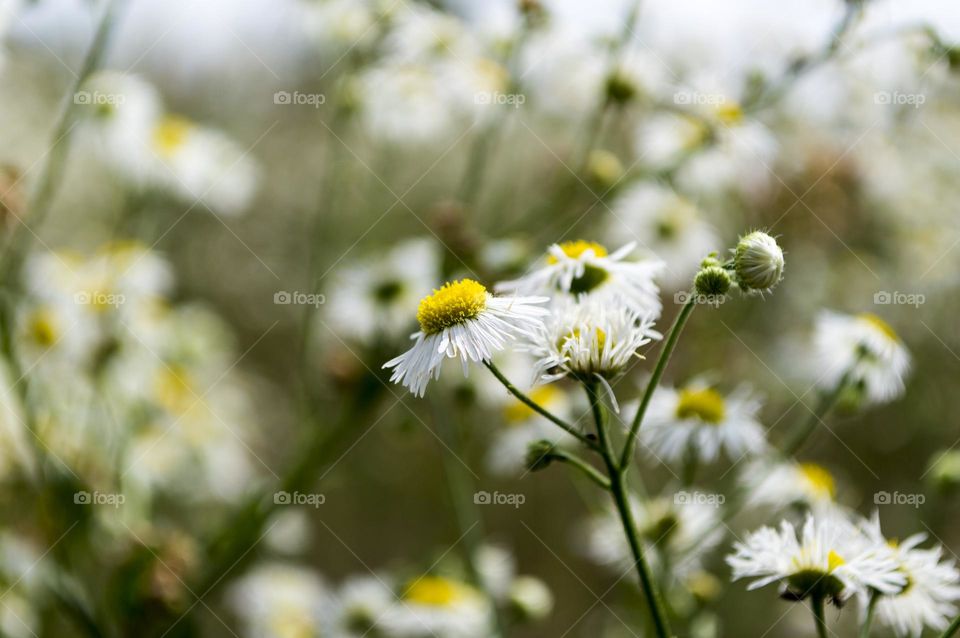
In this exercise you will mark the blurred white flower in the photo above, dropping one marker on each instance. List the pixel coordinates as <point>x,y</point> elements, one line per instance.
<point>679,529</point>
<point>698,420</point>
<point>865,350</point>
<point>377,297</point>
<point>462,320</point>
<point>277,600</point>
<point>584,270</point>
<point>522,426</point>
<point>358,605</point>
<point>668,225</point>
<point>785,483</point>
<point>439,606</point>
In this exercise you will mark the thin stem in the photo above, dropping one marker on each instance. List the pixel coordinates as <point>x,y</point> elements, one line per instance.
<point>868,619</point>
<point>588,470</point>
<point>952,629</point>
<point>530,403</point>
<point>816,605</point>
<point>668,347</point>
<point>803,431</point>
<point>618,489</point>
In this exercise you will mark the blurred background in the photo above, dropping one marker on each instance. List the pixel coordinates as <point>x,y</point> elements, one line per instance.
<point>218,218</point>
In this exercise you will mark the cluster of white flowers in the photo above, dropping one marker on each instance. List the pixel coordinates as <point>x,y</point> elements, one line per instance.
<point>277,600</point>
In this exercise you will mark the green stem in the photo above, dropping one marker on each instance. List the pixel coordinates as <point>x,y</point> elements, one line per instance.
<point>803,431</point>
<point>530,403</point>
<point>588,470</point>
<point>868,620</point>
<point>952,629</point>
<point>618,489</point>
<point>668,347</point>
<point>466,512</point>
<point>816,605</point>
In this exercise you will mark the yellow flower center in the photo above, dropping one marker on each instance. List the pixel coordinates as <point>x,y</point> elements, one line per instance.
<point>173,389</point>
<point>170,134</point>
<point>435,591</point>
<point>42,328</point>
<point>518,412</point>
<point>820,479</point>
<point>706,404</point>
<point>729,112</point>
<point>880,325</point>
<point>834,560</point>
<point>455,303</point>
<point>574,249</point>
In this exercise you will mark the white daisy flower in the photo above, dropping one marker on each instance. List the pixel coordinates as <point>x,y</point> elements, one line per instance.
<point>668,224</point>
<point>279,601</point>
<point>788,483</point>
<point>685,530</point>
<point>931,591</point>
<point>831,558</point>
<point>462,320</point>
<point>584,270</point>
<point>358,605</point>
<point>377,297</point>
<point>864,349</point>
<point>589,340</point>
<point>441,607</point>
<point>336,26</point>
<point>508,450</point>
<point>698,418</point>
<point>202,164</point>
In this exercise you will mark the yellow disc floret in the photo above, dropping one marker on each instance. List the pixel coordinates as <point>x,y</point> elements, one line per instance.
<point>704,404</point>
<point>171,134</point>
<point>455,303</point>
<point>820,479</point>
<point>834,560</point>
<point>435,591</point>
<point>574,249</point>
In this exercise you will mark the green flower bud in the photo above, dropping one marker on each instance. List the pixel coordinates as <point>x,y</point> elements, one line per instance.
<point>712,281</point>
<point>758,262</point>
<point>620,89</point>
<point>539,455</point>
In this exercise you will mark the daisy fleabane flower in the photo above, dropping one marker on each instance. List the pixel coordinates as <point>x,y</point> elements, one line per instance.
<point>931,591</point>
<point>584,270</point>
<point>831,559</point>
<point>462,320</point>
<point>589,340</point>
<point>785,483</point>
<point>865,350</point>
<point>699,418</point>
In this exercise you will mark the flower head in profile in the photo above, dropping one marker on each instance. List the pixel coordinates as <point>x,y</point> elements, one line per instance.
<point>782,484</point>
<point>831,558</point>
<point>585,271</point>
<point>699,418</point>
<point>865,351</point>
<point>462,320</point>
<point>590,340</point>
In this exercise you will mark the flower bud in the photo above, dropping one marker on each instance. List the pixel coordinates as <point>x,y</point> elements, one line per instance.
<point>758,262</point>
<point>944,469</point>
<point>530,598</point>
<point>539,455</point>
<point>620,88</point>
<point>712,281</point>
<point>604,168</point>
